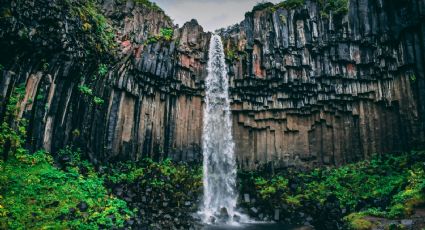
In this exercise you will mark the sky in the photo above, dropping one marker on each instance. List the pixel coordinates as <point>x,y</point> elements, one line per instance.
<point>210,14</point>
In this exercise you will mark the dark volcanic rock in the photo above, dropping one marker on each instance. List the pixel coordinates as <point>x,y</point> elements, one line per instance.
<point>307,89</point>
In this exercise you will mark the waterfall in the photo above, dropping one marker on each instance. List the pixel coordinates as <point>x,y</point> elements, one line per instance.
<point>219,164</point>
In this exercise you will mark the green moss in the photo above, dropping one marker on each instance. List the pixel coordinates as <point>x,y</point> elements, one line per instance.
<point>13,129</point>
<point>389,186</point>
<point>166,173</point>
<point>262,5</point>
<point>98,100</point>
<point>149,5</point>
<point>230,54</point>
<point>102,70</point>
<point>165,34</point>
<point>85,90</point>
<point>99,33</point>
<point>36,195</point>
<point>336,7</point>
<point>289,4</point>
<point>357,221</point>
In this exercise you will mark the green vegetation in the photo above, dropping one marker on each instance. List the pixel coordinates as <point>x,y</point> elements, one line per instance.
<point>99,33</point>
<point>1,67</point>
<point>262,5</point>
<point>357,221</point>
<point>337,7</point>
<point>45,65</point>
<point>98,100</point>
<point>34,194</point>
<point>164,175</point>
<point>231,54</point>
<point>37,195</point>
<point>150,5</point>
<point>13,130</point>
<point>165,34</point>
<point>161,186</point>
<point>102,70</point>
<point>289,4</point>
<point>89,93</point>
<point>387,186</point>
<point>85,90</point>
<point>412,77</point>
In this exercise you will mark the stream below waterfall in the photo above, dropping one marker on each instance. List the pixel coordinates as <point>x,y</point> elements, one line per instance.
<point>254,226</point>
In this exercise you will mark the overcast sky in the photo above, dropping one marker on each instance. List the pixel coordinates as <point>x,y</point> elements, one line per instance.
<point>211,14</point>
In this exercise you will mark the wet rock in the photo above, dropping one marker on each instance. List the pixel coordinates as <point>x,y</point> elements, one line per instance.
<point>276,214</point>
<point>407,223</point>
<point>246,197</point>
<point>254,210</point>
<point>82,206</point>
<point>236,218</point>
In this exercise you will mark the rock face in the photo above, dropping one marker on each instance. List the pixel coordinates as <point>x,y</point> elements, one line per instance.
<point>307,89</point>
<point>152,91</point>
<point>328,90</point>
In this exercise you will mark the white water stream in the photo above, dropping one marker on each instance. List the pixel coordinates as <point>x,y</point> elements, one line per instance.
<point>219,164</point>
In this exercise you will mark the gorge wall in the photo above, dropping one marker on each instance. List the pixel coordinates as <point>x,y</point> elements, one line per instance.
<point>308,87</point>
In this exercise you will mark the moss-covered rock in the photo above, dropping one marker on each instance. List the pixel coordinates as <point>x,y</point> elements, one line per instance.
<point>37,195</point>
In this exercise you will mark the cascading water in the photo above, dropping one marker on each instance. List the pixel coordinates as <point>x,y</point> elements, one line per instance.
<point>219,164</point>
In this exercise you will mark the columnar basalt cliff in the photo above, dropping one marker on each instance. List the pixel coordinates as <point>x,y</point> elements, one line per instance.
<point>148,103</point>
<point>308,87</point>
<point>327,88</point>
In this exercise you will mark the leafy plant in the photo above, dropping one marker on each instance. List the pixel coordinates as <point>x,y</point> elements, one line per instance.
<point>102,70</point>
<point>36,195</point>
<point>13,128</point>
<point>85,90</point>
<point>100,33</point>
<point>336,7</point>
<point>166,33</point>
<point>150,5</point>
<point>413,77</point>
<point>389,186</point>
<point>289,4</point>
<point>98,100</point>
<point>262,5</point>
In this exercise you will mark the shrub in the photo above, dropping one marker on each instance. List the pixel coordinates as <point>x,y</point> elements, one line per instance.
<point>166,33</point>
<point>102,70</point>
<point>85,90</point>
<point>389,186</point>
<point>336,7</point>
<point>101,36</point>
<point>289,4</point>
<point>37,195</point>
<point>98,101</point>
<point>12,128</point>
